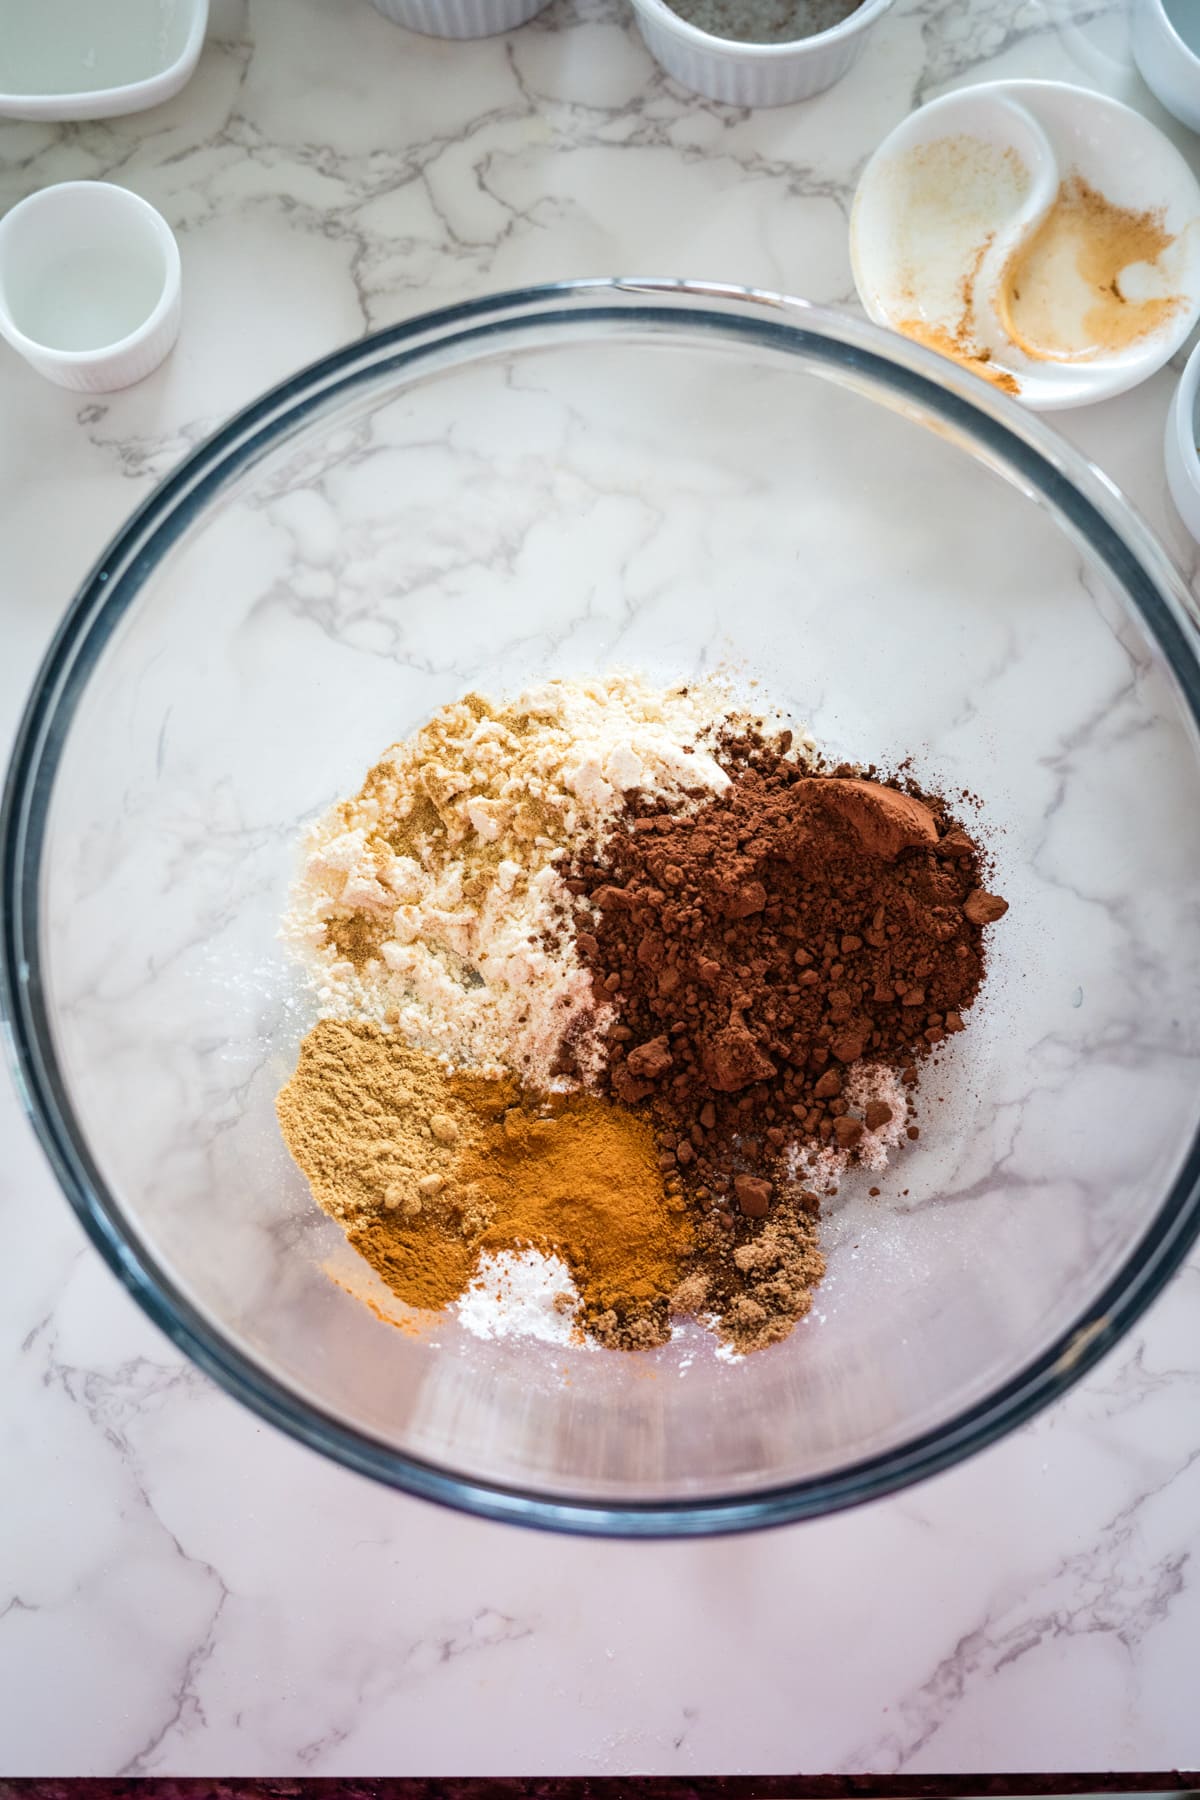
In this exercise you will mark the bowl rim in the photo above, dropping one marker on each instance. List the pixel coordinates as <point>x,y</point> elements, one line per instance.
<point>1171,35</point>
<point>867,12</point>
<point>1086,499</point>
<point>1182,419</point>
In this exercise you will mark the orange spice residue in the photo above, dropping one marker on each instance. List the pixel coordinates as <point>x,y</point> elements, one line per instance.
<point>961,349</point>
<point>1061,297</point>
<point>957,341</point>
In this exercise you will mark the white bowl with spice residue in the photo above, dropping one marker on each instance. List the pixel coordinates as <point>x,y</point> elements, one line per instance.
<point>1044,235</point>
<point>1181,448</point>
<point>754,74</point>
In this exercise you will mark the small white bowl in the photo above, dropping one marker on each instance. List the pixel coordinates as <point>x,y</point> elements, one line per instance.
<point>60,59</point>
<point>89,285</point>
<point>1055,129</point>
<point>1182,456</point>
<point>753,74</point>
<point>1166,48</point>
<point>459,18</point>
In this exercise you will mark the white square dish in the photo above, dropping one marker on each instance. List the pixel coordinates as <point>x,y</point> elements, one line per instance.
<point>73,59</point>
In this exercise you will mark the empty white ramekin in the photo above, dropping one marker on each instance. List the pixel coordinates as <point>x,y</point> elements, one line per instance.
<point>459,18</point>
<point>75,255</point>
<point>753,74</point>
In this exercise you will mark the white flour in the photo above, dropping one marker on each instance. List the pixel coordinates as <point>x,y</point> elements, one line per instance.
<point>523,1293</point>
<point>433,900</point>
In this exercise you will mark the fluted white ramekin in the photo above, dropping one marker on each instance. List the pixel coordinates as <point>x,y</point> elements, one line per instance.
<point>459,18</point>
<point>1183,457</point>
<point>753,74</point>
<point>37,240</point>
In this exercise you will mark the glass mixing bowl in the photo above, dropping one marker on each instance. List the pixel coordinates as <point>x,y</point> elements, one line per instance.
<point>661,476</point>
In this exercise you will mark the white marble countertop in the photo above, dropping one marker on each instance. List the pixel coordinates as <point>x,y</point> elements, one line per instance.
<point>182,1591</point>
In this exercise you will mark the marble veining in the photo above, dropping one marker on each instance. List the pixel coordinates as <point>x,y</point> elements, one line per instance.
<point>182,1590</point>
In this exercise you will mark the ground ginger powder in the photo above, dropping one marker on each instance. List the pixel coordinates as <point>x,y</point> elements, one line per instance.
<point>378,1129</point>
<point>426,1169</point>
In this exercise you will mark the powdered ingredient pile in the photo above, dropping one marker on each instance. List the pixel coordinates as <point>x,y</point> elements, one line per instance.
<point>615,976</point>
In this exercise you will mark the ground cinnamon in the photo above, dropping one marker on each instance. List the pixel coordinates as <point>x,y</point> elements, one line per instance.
<point>581,1178</point>
<point>960,345</point>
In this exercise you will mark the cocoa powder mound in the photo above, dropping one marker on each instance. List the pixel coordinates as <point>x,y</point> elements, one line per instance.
<point>758,947</point>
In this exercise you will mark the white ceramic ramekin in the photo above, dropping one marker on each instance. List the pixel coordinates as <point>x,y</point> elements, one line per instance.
<point>1182,456</point>
<point>48,244</point>
<point>459,18</point>
<point>753,74</point>
<point>1169,64</point>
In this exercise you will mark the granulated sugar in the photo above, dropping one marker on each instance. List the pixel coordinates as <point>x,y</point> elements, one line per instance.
<point>522,1293</point>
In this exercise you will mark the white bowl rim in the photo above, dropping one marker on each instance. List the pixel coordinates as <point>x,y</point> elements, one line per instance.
<point>864,14</point>
<point>1183,414</point>
<point>1179,44</point>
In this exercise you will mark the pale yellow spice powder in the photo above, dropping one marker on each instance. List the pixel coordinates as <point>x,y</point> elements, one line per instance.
<point>379,1129</point>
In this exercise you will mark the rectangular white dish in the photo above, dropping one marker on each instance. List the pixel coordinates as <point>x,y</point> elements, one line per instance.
<point>76,59</point>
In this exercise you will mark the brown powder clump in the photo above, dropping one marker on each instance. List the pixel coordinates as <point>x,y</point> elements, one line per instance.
<point>427,1169</point>
<point>800,924</point>
<point>755,1285</point>
<point>776,963</point>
